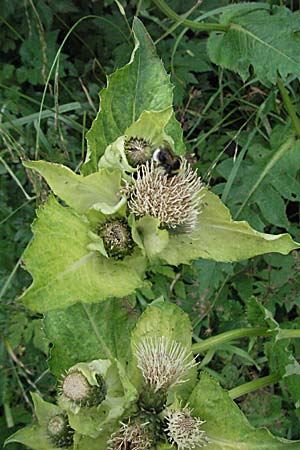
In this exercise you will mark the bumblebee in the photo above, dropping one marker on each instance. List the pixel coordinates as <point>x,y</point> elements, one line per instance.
<point>165,158</point>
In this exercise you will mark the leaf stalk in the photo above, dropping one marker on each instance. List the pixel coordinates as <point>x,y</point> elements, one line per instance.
<point>253,385</point>
<point>187,22</point>
<point>228,336</point>
<point>289,106</point>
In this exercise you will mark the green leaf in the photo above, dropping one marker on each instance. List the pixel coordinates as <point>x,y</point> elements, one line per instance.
<point>153,238</point>
<point>35,436</point>
<point>266,178</point>
<point>218,237</point>
<point>65,272</point>
<point>281,360</point>
<point>86,442</point>
<point>267,40</point>
<point>85,332</point>
<point>279,353</point>
<point>141,85</point>
<point>226,426</point>
<point>100,190</point>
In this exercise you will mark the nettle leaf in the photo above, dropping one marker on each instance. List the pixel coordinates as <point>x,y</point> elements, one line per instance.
<point>226,426</point>
<point>164,319</point>
<point>100,190</point>
<point>278,352</point>
<point>64,270</point>
<point>217,236</point>
<point>85,332</point>
<point>266,38</point>
<point>266,178</point>
<point>281,361</point>
<point>141,85</point>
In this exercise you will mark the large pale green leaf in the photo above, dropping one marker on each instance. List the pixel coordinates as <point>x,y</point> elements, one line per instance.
<point>100,190</point>
<point>85,332</point>
<point>33,436</point>
<point>65,272</point>
<point>226,426</point>
<point>266,39</point>
<point>141,85</point>
<point>218,237</point>
<point>88,443</point>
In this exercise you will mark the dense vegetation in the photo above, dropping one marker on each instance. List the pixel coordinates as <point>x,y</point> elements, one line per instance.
<point>236,117</point>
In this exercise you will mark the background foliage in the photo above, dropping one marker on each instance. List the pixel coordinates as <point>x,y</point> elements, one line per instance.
<point>233,129</point>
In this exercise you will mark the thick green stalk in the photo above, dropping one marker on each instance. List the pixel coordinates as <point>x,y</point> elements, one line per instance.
<point>189,23</point>
<point>288,334</point>
<point>289,106</point>
<point>228,336</point>
<point>253,385</point>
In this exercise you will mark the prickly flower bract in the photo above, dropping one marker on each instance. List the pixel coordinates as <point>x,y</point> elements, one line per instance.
<point>106,394</point>
<point>163,362</point>
<point>184,430</point>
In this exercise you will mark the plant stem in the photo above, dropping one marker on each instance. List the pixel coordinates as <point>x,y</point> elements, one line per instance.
<point>228,336</point>
<point>253,385</point>
<point>189,23</point>
<point>289,105</point>
<point>288,334</point>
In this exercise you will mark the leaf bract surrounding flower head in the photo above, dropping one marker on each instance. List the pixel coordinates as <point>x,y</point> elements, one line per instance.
<point>109,394</point>
<point>37,436</point>
<point>64,270</point>
<point>99,191</point>
<point>138,143</point>
<point>141,85</point>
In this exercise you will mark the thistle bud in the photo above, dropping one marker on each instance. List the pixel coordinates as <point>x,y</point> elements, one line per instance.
<point>77,389</point>
<point>59,431</point>
<point>117,240</point>
<point>137,151</point>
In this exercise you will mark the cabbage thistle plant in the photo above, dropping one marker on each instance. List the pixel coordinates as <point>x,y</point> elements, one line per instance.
<point>127,211</point>
<point>151,400</point>
<point>129,382</point>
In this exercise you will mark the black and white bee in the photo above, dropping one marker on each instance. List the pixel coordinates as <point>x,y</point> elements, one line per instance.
<point>165,158</point>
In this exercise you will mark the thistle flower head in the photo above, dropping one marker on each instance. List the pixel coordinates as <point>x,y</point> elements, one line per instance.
<point>59,431</point>
<point>76,388</point>
<point>174,200</point>
<point>163,363</point>
<point>117,238</point>
<point>184,431</point>
<point>133,436</point>
<point>137,150</point>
